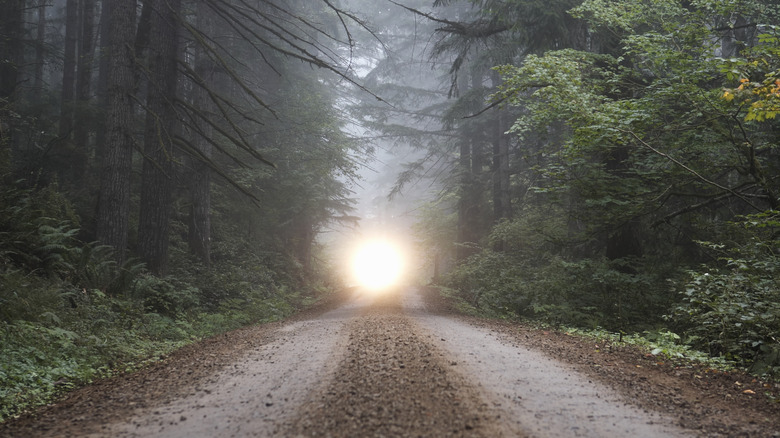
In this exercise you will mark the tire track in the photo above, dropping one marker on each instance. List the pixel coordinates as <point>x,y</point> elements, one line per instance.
<point>393,382</point>
<point>540,395</point>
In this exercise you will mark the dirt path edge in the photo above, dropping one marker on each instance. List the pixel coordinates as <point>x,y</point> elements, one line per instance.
<point>710,402</point>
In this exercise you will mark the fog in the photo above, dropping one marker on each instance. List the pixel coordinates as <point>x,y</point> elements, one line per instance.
<point>404,165</point>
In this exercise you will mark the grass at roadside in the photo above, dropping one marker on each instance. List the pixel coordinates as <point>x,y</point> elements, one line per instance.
<point>663,343</point>
<point>69,346</point>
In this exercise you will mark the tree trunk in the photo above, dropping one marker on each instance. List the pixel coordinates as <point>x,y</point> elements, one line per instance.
<point>502,200</point>
<point>102,81</point>
<point>157,183</point>
<point>114,203</point>
<point>40,43</point>
<point>470,166</point>
<point>622,240</point>
<point>477,135</point>
<point>199,236</point>
<point>11,49</point>
<point>11,52</point>
<point>303,243</point>
<point>69,68</point>
<point>83,84</point>
<point>465,204</point>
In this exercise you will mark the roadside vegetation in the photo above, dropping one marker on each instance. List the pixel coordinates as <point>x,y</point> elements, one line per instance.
<point>69,314</point>
<point>608,166</point>
<point>724,313</point>
<point>165,169</point>
<point>615,168</point>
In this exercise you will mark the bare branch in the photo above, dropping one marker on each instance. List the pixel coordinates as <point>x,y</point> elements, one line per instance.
<point>475,29</point>
<point>184,144</point>
<point>691,171</point>
<point>487,108</point>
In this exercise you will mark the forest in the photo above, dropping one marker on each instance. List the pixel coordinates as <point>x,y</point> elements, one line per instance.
<point>169,168</point>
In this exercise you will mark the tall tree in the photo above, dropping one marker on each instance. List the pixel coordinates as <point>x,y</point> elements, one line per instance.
<point>114,202</point>
<point>502,196</point>
<point>206,77</point>
<point>83,89</point>
<point>101,87</point>
<point>11,45</point>
<point>11,53</point>
<point>40,43</point>
<point>161,127</point>
<point>69,64</point>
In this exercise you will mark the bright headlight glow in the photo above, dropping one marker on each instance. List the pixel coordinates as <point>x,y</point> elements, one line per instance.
<point>377,264</point>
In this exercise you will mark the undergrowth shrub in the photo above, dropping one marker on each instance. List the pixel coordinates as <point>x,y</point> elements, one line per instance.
<point>165,296</point>
<point>583,293</point>
<point>234,282</point>
<point>70,314</point>
<point>37,231</point>
<point>93,267</point>
<point>23,296</point>
<point>733,309</point>
<point>59,347</point>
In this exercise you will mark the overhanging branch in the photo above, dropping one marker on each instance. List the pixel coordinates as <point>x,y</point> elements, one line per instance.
<point>691,171</point>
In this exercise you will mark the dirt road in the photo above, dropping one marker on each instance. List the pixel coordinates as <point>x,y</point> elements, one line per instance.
<point>390,366</point>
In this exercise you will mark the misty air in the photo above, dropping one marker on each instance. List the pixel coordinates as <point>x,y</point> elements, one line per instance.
<point>389,218</point>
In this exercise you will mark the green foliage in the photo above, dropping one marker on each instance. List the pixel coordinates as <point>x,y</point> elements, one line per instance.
<point>661,342</point>
<point>758,75</point>
<point>164,296</point>
<point>23,295</point>
<point>69,314</point>
<point>435,230</point>
<point>623,16</point>
<point>527,279</point>
<point>651,142</point>
<point>733,310</point>
<point>37,231</point>
<point>56,337</point>
<point>66,347</point>
<point>641,127</point>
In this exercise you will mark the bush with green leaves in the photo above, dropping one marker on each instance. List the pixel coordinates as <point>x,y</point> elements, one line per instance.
<point>58,346</point>
<point>732,309</point>
<point>37,230</point>
<point>528,279</point>
<point>165,296</point>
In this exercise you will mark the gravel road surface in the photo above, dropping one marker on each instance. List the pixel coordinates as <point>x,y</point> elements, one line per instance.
<point>383,366</point>
<point>398,365</point>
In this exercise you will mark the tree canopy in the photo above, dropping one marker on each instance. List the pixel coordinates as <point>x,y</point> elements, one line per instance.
<point>633,160</point>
